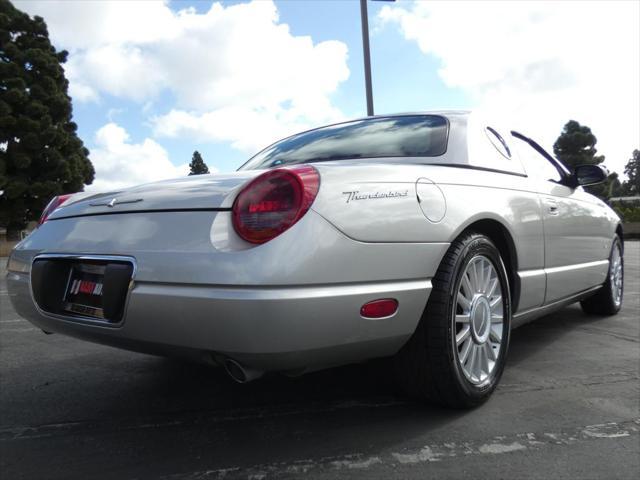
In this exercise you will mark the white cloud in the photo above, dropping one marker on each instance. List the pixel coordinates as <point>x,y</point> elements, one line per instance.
<point>98,23</point>
<point>123,71</point>
<point>541,63</point>
<point>120,163</point>
<point>247,129</point>
<point>237,66</point>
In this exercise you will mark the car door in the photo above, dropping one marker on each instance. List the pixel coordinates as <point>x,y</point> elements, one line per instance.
<point>575,244</point>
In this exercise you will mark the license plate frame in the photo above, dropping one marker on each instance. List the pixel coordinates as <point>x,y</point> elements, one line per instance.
<point>83,293</point>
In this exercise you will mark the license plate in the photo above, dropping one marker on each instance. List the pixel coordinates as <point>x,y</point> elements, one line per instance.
<point>83,295</point>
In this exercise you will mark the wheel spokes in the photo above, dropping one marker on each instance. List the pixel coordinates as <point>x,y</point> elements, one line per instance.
<point>475,280</point>
<point>466,348</point>
<point>472,360</point>
<point>496,333</point>
<point>491,354</point>
<point>463,335</point>
<point>484,364</point>
<point>492,288</point>
<point>464,302</point>
<point>495,302</point>
<point>478,320</point>
<point>487,281</point>
<point>616,275</point>
<point>467,285</point>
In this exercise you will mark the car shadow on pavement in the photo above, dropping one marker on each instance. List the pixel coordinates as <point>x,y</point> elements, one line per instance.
<point>170,415</point>
<point>549,331</point>
<point>168,387</point>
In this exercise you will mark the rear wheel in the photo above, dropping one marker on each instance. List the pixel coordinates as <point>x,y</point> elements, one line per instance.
<point>608,300</point>
<point>457,354</point>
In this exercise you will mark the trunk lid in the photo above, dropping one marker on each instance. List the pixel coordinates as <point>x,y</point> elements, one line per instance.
<point>197,192</point>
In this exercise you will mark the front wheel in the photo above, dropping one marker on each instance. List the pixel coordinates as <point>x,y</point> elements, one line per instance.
<point>457,354</point>
<point>608,300</point>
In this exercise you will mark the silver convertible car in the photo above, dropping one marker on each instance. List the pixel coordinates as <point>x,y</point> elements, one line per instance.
<point>422,237</point>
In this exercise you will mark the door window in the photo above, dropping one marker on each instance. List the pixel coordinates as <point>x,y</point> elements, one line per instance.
<point>536,165</point>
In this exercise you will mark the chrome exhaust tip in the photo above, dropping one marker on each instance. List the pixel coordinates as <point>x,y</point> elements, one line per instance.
<point>239,373</point>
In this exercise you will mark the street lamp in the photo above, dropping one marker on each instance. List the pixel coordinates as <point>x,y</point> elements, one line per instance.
<point>364,16</point>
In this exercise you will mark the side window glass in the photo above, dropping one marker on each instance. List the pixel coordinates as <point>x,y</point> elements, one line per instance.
<point>497,141</point>
<point>536,166</point>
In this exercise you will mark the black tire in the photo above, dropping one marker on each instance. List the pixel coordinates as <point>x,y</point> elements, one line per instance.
<point>427,367</point>
<point>603,302</point>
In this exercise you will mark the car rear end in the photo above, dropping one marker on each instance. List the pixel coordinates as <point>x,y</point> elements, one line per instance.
<point>235,266</point>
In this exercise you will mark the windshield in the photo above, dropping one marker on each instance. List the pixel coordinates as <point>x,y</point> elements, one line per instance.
<point>398,136</point>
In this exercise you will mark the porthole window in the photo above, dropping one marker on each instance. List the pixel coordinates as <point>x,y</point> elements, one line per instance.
<point>497,141</point>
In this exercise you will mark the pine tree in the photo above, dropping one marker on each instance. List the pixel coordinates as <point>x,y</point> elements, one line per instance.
<point>197,165</point>
<point>576,146</point>
<point>40,152</point>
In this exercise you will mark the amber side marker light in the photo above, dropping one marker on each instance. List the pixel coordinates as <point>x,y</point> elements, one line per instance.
<point>384,307</point>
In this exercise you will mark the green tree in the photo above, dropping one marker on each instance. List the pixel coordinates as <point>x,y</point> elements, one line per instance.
<point>40,152</point>
<point>197,165</point>
<point>575,146</point>
<point>631,186</point>
<point>615,187</point>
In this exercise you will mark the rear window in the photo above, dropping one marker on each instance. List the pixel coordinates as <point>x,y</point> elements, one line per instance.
<point>400,136</point>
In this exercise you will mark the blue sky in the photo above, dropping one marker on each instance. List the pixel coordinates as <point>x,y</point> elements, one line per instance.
<point>322,20</point>
<point>154,81</point>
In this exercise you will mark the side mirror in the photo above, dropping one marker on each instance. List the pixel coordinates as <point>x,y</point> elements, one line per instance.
<point>585,175</point>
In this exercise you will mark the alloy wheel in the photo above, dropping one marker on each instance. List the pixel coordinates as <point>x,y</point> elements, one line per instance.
<point>616,275</point>
<point>478,320</point>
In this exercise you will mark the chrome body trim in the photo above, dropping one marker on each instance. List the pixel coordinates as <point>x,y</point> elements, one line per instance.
<point>578,266</point>
<point>79,318</point>
<point>530,315</point>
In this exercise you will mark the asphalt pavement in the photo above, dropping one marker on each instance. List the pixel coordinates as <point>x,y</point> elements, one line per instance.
<point>568,407</point>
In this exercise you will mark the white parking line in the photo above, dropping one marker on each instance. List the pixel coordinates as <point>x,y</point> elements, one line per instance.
<point>437,452</point>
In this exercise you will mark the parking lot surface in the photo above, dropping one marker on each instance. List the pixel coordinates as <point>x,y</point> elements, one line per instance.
<point>568,407</point>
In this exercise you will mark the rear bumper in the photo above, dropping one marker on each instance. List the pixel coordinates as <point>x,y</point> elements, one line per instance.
<point>270,328</point>
<point>291,303</point>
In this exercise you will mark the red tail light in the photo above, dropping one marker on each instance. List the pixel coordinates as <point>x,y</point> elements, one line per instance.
<point>382,308</point>
<point>274,201</point>
<point>52,205</point>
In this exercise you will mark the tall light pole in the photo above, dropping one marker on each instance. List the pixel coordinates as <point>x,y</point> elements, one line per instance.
<point>364,17</point>
<point>367,56</point>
